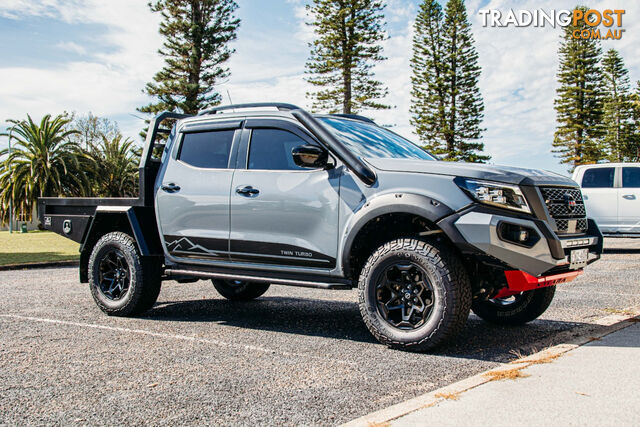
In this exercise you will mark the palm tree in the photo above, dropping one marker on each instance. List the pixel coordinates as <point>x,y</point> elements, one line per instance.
<point>43,163</point>
<point>116,166</point>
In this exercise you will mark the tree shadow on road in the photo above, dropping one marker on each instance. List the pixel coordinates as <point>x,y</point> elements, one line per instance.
<point>341,320</point>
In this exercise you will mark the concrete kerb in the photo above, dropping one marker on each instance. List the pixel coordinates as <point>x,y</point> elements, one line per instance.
<point>608,325</point>
<point>34,265</point>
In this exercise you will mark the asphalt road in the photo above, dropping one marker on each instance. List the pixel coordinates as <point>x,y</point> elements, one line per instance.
<point>294,356</point>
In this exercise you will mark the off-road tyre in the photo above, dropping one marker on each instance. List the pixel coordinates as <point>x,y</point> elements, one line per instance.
<point>526,307</point>
<point>451,292</point>
<point>144,276</point>
<point>236,290</point>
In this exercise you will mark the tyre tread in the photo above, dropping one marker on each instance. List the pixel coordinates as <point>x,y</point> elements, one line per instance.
<point>455,274</point>
<point>146,270</point>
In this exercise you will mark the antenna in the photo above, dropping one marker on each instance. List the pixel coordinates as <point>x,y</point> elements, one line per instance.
<point>230,101</point>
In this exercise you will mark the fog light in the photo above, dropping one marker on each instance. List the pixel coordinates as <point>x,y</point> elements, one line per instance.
<point>517,234</point>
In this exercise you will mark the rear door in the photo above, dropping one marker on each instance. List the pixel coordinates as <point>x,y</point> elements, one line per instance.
<point>601,196</point>
<point>282,214</point>
<point>629,200</point>
<point>192,193</point>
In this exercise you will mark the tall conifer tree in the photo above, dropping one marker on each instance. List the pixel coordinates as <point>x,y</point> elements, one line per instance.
<point>429,98</point>
<point>618,110</point>
<point>632,151</point>
<point>447,106</point>
<point>578,103</point>
<point>197,33</point>
<point>347,46</point>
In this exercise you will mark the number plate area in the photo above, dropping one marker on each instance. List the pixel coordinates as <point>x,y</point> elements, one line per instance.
<point>578,258</point>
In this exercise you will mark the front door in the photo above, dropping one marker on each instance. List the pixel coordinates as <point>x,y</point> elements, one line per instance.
<point>600,197</point>
<point>192,196</point>
<point>282,214</point>
<point>629,200</point>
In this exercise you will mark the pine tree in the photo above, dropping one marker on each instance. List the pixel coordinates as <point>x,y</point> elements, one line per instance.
<point>578,101</point>
<point>197,33</point>
<point>428,104</point>
<point>347,46</point>
<point>617,111</point>
<point>446,103</point>
<point>632,150</point>
<point>466,107</point>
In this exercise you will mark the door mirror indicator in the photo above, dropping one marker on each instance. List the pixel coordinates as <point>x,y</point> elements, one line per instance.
<point>310,156</point>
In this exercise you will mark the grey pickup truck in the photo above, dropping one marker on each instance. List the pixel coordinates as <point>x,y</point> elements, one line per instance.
<point>251,195</point>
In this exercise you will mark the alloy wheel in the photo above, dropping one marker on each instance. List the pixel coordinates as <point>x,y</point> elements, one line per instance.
<point>404,295</point>
<point>114,275</point>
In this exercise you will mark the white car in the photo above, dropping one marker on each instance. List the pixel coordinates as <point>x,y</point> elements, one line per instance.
<point>611,193</point>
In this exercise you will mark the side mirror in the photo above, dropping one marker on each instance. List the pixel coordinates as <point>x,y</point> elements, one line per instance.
<point>310,156</point>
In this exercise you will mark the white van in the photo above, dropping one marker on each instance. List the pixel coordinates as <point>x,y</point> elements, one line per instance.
<point>611,193</point>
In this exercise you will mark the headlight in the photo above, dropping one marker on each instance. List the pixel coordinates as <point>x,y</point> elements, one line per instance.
<point>495,194</point>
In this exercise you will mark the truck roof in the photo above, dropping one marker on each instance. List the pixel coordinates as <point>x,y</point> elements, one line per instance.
<point>606,165</point>
<point>265,109</point>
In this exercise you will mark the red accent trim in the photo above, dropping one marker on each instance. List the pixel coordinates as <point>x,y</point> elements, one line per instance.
<point>519,281</point>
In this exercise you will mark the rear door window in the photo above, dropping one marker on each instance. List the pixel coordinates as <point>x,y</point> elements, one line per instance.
<point>631,177</point>
<point>207,149</point>
<point>598,178</point>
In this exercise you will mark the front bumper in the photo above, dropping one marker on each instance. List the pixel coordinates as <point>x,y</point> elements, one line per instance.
<point>476,230</point>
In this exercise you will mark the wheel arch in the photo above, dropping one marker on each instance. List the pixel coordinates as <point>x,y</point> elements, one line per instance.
<point>398,215</point>
<point>138,222</point>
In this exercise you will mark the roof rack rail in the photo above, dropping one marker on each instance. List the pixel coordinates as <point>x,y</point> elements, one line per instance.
<point>279,105</point>
<point>354,117</point>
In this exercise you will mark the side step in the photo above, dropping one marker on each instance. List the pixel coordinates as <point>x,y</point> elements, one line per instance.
<point>339,284</point>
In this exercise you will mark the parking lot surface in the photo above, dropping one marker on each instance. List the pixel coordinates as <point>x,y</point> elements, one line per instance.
<point>294,356</point>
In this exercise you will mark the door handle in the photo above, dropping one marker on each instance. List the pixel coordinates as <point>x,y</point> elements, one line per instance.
<point>170,187</point>
<point>629,196</point>
<point>248,191</point>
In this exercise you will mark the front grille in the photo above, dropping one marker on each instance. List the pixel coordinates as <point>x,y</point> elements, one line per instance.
<point>566,208</point>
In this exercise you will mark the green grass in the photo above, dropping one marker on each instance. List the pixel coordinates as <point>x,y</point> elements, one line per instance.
<point>35,246</point>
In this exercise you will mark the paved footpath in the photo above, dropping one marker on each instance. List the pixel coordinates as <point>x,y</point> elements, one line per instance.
<point>596,384</point>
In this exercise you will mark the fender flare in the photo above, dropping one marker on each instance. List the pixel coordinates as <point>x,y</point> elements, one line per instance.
<point>401,203</point>
<point>139,221</point>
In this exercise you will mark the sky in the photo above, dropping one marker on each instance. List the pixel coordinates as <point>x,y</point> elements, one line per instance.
<point>95,56</point>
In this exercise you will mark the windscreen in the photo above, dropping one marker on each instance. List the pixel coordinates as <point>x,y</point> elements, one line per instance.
<point>369,140</point>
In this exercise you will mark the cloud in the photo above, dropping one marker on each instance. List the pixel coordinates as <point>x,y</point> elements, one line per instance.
<point>19,9</point>
<point>106,83</point>
<point>71,47</point>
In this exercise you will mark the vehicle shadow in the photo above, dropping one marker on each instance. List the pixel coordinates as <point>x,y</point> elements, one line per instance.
<point>341,320</point>
<point>621,250</point>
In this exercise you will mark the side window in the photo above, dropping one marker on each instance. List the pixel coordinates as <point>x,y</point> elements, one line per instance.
<point>271,149</point>
<point>631,177</point>
<point>598,178</point>
<point>207,149</point>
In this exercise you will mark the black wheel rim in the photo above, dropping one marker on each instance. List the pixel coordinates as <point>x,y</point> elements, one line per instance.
<point>114,275</point>
<point>404,296</point>
<point>506,302</point>
<point>235,283</point>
